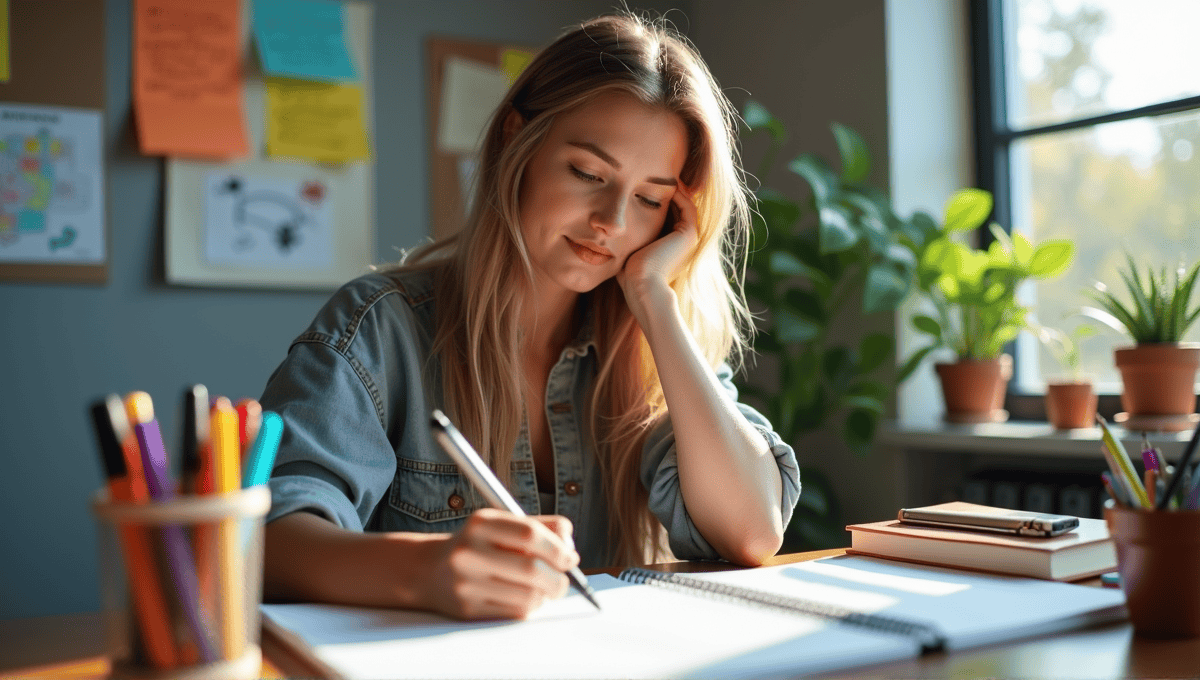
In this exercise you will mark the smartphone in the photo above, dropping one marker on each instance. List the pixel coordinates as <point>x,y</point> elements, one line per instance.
<point>984,518</point>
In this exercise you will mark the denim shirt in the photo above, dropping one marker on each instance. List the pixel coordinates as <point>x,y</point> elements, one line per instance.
<point>357,448</point>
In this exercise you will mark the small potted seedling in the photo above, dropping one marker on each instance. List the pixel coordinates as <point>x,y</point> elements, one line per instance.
<point>1070,398</point>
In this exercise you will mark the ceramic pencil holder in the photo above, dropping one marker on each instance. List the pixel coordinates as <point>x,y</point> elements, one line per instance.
<point>1158,557</point>
<point>181,582</point>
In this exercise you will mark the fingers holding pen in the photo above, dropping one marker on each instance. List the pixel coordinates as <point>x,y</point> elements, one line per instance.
<point>503,566</point>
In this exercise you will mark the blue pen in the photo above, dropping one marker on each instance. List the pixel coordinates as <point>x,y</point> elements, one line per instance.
<point>179,554</point>
<point>261,457</point>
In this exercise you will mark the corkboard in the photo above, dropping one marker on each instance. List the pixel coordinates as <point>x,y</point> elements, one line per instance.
<point>446,195</point>
<point>57,58</point>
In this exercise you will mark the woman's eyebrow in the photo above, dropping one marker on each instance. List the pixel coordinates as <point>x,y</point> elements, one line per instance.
<point>607,158</point>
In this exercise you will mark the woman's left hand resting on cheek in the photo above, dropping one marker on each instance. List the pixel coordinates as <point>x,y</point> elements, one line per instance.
<point>727,474</point>
<point>658,261</point>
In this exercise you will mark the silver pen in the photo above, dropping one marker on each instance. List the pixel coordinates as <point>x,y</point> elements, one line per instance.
<point>485,481</point>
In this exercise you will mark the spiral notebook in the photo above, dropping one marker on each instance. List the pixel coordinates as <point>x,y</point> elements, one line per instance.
<point>810,617</point>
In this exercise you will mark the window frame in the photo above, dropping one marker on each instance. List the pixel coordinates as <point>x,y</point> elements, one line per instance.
<point>993,138</point>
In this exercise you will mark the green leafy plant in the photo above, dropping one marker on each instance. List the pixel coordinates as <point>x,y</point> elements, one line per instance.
<point>1156,312</point>
<point>842,250</point>
<point>1064,347</point>
<point>974,291</point>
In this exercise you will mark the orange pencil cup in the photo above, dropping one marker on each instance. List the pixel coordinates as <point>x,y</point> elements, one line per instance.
<point>181,582</point>
<point>1158,556</point>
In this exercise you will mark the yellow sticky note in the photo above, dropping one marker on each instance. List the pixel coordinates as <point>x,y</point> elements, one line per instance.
<point>512,62</point>
<point>5,42</point>
<point>324,122</point>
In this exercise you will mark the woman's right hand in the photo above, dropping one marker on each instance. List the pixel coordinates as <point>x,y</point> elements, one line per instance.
<point>501,566</point>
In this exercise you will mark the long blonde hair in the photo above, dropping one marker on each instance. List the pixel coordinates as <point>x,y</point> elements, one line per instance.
<point>482,271</point>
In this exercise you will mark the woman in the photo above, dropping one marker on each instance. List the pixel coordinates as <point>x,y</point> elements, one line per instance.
<point>578,331</point>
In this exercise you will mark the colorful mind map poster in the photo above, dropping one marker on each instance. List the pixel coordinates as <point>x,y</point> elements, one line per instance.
<point>257,220</point>
<point>51,185</point>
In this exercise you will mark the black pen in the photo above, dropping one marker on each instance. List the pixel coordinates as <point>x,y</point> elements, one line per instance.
<point>1183,463</point>
<point>485,482</point>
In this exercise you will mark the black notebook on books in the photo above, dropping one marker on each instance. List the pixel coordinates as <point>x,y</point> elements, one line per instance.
<point>810,617</point>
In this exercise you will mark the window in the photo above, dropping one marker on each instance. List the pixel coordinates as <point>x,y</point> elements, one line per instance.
<point>1088,128</point>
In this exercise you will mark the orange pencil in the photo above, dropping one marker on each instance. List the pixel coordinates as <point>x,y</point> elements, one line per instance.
<point>127,484</point>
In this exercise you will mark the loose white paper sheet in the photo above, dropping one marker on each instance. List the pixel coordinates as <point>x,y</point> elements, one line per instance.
<point>471,91</point>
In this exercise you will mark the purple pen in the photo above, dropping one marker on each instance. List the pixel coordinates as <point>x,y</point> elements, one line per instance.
<point>1150,458</point>
<point>180,562</point>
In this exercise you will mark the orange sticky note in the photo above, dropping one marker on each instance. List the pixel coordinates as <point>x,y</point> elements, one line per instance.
<point>187,78</point>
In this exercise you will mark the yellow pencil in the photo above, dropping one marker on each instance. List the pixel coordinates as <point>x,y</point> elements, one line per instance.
<point>227,458</point>
<point>1123,463</point>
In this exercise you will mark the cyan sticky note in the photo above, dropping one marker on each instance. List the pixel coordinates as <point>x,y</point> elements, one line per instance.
<point>302,39</point>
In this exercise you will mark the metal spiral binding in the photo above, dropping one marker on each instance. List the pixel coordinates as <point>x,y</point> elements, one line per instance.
<point>930,639</point>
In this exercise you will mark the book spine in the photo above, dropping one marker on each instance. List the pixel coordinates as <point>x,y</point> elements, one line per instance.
<point>929,637</point>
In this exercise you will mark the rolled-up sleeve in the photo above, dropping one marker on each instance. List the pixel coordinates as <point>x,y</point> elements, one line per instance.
<point>335,458</point>
<point>660,475</point>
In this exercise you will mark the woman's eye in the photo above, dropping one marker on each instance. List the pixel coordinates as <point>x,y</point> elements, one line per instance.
<point>583,175</point>
<point>651,202</point>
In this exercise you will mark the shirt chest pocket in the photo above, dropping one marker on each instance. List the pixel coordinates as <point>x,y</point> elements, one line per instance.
<point>429,497</point>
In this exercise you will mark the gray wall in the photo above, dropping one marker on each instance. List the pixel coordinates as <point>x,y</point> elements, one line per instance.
<point>809,62</point>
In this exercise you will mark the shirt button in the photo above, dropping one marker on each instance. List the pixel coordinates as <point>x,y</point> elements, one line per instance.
<point>455,502</point>
<point>571,488</point>
<point>561,407</point>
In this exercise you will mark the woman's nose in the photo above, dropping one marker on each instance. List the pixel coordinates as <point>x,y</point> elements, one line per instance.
<point>609,215</point>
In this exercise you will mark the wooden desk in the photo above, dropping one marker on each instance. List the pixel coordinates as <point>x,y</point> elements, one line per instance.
<point>72,646</point>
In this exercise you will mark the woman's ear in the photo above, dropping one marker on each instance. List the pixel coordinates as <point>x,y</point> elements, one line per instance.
<point>513,122</point>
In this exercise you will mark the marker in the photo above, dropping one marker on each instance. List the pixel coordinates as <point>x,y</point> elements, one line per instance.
<point>180,562</point>
<point>1183,465</point>
<point>1124,466</point>
<point>150,608</point>
<point>261,457</point>
<point>197,458</point>
<point>249,420</point>
<point>195,435</point>
<point>484,480</point>
<point>226,458</point>
<point>1150,460</point>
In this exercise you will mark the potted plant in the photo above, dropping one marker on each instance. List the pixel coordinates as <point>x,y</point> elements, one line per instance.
<point>1070,398</point>
<point>973,293</point>
<point>1158,372</point>
<point>819,269</point>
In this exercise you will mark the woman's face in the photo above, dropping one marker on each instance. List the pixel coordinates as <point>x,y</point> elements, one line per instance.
<point>598,189</point>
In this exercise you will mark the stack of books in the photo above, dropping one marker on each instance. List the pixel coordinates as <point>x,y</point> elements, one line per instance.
<point>1084,552</point>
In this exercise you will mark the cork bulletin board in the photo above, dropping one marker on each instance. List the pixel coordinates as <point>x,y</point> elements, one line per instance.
<point>55,89</point>
<point>448,192</point>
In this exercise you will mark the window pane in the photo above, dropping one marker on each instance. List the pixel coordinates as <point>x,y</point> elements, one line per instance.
<point>1132,186</point>
<point>1071,59</point>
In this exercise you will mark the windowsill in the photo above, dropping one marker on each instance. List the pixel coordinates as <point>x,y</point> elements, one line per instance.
<point>1021,437</point>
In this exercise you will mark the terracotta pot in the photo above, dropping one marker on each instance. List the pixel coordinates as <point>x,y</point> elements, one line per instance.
<point>1158,555</point>
<point>1158,378</point>
<point>974,389</point>
<point>1070,405</point>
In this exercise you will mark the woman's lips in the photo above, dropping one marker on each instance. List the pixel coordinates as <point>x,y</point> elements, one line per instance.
<point>587,254</point>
